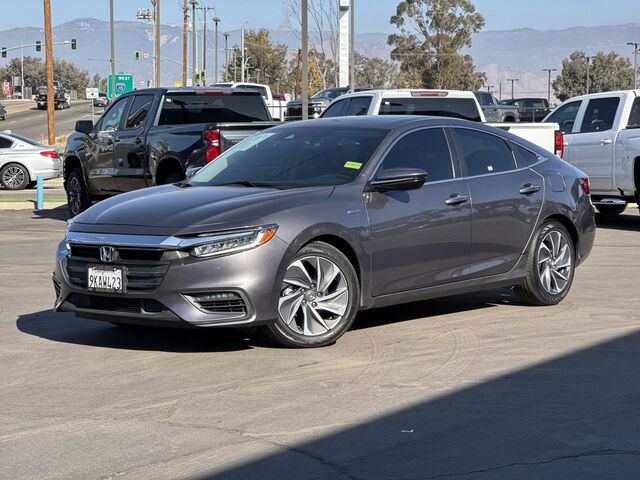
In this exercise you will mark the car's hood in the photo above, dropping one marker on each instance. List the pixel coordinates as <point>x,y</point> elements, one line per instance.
<point>172,210</point>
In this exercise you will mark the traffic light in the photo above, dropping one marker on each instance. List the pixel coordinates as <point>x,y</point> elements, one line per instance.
<point>73,44</point>
<point>203,74</point>
<point>4,52</point>
<point>197,77</point>
<point>136,56</point>
<point>38,46</point>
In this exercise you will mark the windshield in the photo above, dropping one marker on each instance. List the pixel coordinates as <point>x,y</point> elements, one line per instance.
<point>330,93</point>
<point>294,157</point>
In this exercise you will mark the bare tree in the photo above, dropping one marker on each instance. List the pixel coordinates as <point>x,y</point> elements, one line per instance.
<point>323,34</point>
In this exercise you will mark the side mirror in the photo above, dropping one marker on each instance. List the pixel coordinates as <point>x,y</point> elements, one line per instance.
<point>398,179</point>
<point>84,126</point>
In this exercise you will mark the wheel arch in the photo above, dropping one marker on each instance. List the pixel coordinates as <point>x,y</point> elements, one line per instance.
<point>568,224</point>
<point>164,167</point>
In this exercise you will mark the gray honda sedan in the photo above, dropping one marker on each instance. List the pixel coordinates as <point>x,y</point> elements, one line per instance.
<point>299,227</point>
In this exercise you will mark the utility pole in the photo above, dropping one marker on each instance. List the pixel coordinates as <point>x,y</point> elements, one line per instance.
<point>156,42</point>
<point>513,81</point>
<point>226,52</point>
<point>112,58</point>
<point>305,60</point>
<point>352,45</point>
<point>500,94</point>
<point>549,70</point>
<point>194,42</point>
<point>242,53</point>
<point>185,53</point>
<point>21,71</point>
<point>489,87</point>
<point>635,46</point>
<point>588,68</point>
<point>51,127</point>
<point>216,21</point>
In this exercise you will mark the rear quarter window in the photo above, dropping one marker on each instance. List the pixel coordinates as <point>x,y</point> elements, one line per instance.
<point>185,108</point>
<point>464,108</point>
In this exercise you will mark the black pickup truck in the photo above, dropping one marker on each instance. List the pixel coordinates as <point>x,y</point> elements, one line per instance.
<point>153,136</point>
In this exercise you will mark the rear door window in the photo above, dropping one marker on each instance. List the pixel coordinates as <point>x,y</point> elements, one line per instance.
<point>600,114</point>
<point>185,108</point>
<point>483,153</point>
<point>359,106</point>
<point>565,116</point>
<point>5,142</point>
<point>427,150</point>
<point>634,117</point>
<point>465,108</point>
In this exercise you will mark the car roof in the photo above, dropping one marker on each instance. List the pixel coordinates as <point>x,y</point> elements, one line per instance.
<point>410,92</point>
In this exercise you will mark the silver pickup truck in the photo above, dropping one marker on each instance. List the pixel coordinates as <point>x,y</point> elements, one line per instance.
<point>494,111</point>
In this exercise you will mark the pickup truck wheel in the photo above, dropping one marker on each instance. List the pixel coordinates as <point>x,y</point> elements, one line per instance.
<point>550,266</point>
<point>14,176</point>
<point>611,209</point>
<point>319,298</point>
<point>78,197</point>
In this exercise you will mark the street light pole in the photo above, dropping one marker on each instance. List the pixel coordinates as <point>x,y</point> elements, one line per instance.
<point>156,42</point>
<point>513,81</point>
<point>226,52</point>
<point>635,46</point>
<point>305,60</point>
<point>194,42</point>
<point>549,70</point>
<point>216,20</point>
<point>112,58</point>
<point>242,54</point>
<point>588,68</point>
<point>352,45</point>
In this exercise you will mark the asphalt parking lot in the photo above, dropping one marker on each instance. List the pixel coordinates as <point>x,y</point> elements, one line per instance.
<point>476,386</point>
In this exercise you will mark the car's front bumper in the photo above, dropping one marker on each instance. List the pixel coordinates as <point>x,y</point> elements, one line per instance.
<point>250,276</point>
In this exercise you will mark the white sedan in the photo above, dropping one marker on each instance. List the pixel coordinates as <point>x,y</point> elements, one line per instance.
<point>22,160</point>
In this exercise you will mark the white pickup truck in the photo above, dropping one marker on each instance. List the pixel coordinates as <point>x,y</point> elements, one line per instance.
<point>276,104</point>
<point>447,103</point>
<point>602,138</point>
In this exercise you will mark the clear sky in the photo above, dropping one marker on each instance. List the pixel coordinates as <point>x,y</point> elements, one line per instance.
<point>372,15</point>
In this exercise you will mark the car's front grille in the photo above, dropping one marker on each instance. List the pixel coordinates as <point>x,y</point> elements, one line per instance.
<point>123,253</point>
<point>219,302</point>
<point>294,111</point>
<point>144,267</point>
<point>116,304</point>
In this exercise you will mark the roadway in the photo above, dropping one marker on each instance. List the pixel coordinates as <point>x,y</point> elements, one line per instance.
<point>32,122</point>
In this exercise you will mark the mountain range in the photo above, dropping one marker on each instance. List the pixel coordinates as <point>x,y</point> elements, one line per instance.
<point>520,53</point>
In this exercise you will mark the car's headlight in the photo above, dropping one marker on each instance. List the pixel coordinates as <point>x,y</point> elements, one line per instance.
<point>232,242</point>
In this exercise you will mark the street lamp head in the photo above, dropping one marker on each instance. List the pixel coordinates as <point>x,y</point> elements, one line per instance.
<point>216,20</point>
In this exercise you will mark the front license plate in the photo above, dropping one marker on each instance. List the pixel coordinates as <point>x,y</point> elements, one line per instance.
<point>105,279</point>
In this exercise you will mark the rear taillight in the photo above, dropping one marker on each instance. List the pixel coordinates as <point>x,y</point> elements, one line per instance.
<point>559,143</point>
<point>213,149</point>
<point>584,183</point>
<point>49,153</point>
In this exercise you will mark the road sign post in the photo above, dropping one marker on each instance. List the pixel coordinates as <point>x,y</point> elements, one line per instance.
<point>122,83</point>
<point>90,94</point>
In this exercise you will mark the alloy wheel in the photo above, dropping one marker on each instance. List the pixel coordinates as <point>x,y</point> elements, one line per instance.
<point>74,193</point>
<point>314,296</point>
<point>554,262</point>
<point>14,177</point>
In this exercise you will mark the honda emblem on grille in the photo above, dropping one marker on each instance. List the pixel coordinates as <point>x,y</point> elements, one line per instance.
<point>107,254</point>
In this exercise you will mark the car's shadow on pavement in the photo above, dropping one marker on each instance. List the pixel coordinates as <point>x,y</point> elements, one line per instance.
<point>58,213</point>
<point>618,222</point>
<point>66,328</point>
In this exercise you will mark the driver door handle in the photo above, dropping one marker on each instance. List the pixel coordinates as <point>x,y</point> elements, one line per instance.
<point>606,141</point>
<point>529,189</point>
<point>456,199</point>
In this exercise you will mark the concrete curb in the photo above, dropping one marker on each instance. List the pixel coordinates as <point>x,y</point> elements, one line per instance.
<point>29,205</point>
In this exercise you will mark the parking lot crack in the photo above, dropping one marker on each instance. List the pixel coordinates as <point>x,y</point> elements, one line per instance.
<point>594,453</point>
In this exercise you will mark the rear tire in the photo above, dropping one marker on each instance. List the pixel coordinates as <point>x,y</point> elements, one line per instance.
<point>14,176</point>
<point>550,266</point>
<point>319,297</point>
<point>611,209</point>
<point>78,198</point>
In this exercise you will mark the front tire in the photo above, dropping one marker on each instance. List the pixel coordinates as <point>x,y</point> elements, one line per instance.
<point>78,198</point>
<point>550,266</point>
<point>611,209</point>
<point>319,298</point>
<point>14,176</point>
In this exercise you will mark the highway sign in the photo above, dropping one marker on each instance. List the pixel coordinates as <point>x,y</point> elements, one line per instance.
<point>6,88</point>
<point>123,84</point>
<point>91,93</point>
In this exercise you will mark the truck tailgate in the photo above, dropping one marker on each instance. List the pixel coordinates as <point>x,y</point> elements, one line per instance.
<point>541,134</point>
<point>233,133</point>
